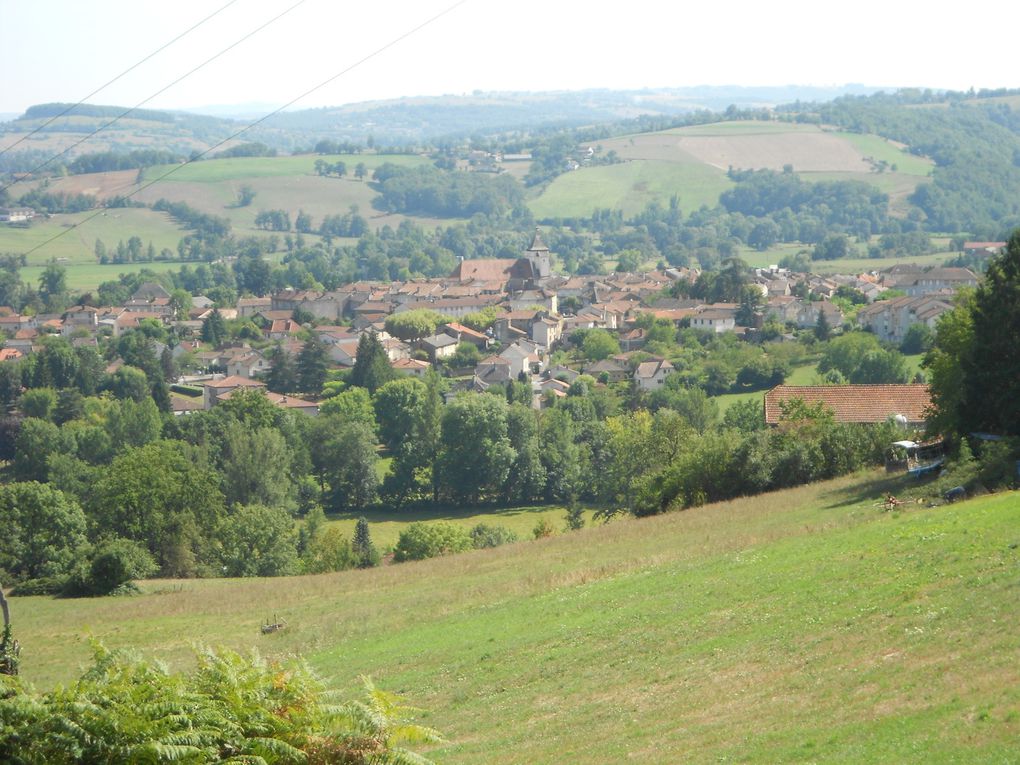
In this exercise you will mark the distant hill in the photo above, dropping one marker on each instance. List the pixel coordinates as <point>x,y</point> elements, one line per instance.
<point>393,122</point>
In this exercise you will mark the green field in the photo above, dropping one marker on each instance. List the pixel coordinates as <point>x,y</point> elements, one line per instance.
<point>692,163</point>
<point>772,256</point>
<point>244,168</point>
<point>77,245</point>
<point>83,277</point>
<point>800,626</point>
<point>630,186</point>
<point>387,525</point>
<point>882,149</point>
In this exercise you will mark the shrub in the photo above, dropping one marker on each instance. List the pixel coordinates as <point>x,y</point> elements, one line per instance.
<point>111,566</point>
<point>484,535</point>
<point>428,540</point>
<point>329,550</point>
<point>543,529</point>
<point>229,708</point>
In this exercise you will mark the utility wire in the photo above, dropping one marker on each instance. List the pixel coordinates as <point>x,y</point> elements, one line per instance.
<point>104,86</point>
<point>378,51</point>
<point>158,92</point>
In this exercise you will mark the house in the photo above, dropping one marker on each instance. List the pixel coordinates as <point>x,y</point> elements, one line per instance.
<point>249,307</point>
<point>612,370</point>
<point>150,291</point>
<point>283,401</point>
<point>412,367</point>
<point>982,248</point>
<point>249,365</point>
<point>890,319</point>
<point>524,357</point>
<point>466,335</point>
<point>16,214</point>
<point>941,280</point>
<point>440,346</point>
<point>281,329</point>
<point>493,370</point>
<point>854,403</point>
<point>650,375</point>
<point>546,331</point>
<point>715,318</point>
<point>808,313</point>
<point>566,374</point>
<point>10,354</point>
<point>214,390</point>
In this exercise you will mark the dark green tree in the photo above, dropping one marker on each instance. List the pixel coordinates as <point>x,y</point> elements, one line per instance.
<point>991,370</point>
<point>214,329</point>
<point>362,547</point>
<point>372,367</point>
<point>312,366</point>
<point>282,375</point>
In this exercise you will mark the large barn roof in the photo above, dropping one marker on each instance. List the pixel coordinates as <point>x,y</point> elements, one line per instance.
<point>854,403</point>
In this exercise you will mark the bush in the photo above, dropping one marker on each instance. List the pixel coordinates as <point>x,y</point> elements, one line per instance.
<point>484,535</point>
<point>543,529</point>
<point>428,540</point>
<point>229,708</point>
<point>111,566</point>
<point>329,550</point>
<point>47,585</point>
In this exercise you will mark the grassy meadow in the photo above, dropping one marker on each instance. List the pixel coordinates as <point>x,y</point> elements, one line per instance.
<point>76,246</point>
<point>802,626</point>
<point>630,186</point>
<point>691,162</point>
<point>386,526</point>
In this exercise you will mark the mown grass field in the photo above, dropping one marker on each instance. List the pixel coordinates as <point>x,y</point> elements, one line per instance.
<point>387,525</point>
<point>692,163</point>
<point>801,626</point>
<point>630,186</point>
<point>76,246</point>
<point>88,276</point>
<point>772,256</point>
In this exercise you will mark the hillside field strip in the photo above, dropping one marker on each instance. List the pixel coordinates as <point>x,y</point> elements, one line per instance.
<point>801,626</point>
<point>76,244</point>
<point>692,162</point>
<point>629,187</point>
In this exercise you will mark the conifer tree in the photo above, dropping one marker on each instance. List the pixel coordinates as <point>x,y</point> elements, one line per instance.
<point>365,552</point>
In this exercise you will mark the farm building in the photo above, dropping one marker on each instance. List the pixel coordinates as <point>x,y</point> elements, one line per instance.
<point>854,403</point>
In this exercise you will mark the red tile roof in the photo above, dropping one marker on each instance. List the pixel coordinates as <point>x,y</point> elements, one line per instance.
<point>854,403</point>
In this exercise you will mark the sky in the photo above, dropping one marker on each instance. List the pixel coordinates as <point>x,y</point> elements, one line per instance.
<point>62,50</point>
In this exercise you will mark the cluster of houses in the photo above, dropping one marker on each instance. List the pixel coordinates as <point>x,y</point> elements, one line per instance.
<point>535,309</point>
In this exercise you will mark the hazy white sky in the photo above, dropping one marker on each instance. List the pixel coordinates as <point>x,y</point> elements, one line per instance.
<point>61,50</point>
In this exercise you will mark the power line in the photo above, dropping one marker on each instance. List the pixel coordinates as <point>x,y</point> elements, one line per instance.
<point>378,51</point>
<point>158,92</point>
<point>105,85</point>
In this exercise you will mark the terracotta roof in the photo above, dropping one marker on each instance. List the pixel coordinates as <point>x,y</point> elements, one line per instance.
<point>234,381</point>
<point>484,269</point>
<point>854,403</point>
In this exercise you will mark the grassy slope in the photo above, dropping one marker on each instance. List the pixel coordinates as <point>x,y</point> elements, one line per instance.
<point>77,246</point>
<point>630,187</point>
<point>803,626</point>
<point>659,166</point>
<point>386,526</point>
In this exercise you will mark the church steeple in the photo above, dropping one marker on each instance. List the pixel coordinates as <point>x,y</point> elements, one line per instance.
<point>537,245</point>
<point>538,256</point>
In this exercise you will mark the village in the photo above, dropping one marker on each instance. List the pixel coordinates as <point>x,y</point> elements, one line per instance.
<point>530,313</point>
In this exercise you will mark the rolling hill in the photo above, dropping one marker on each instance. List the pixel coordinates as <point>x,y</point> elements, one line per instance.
<point>801,626</point>
<point>692,162</point>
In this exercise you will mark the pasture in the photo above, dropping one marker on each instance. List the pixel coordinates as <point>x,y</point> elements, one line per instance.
<point>801,626</point>
<point>387,525</point>
<point>76,245</point>
<point>692,162</point>
<point>630,186</point>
